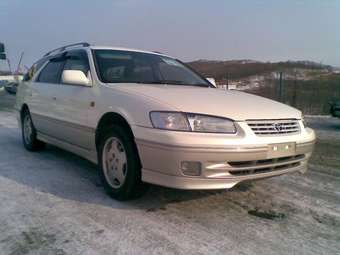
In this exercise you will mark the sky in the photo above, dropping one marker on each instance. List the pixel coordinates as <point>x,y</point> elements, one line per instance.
<point>271,30</point>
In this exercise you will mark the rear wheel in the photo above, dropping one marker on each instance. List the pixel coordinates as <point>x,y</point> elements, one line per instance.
<point>29,133</point>
<point>119,164</point>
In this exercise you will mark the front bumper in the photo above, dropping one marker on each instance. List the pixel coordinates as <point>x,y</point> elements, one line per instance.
<point>225,159</point>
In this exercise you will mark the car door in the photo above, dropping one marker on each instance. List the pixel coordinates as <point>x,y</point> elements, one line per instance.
<point>42,97</point>
<point>72,104</point>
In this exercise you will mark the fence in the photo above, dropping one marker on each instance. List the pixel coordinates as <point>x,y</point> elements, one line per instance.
<point>310,96</point>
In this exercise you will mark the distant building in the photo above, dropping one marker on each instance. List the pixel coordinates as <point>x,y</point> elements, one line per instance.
<point>11,77</point>
<point>232,86</point>
<point>227,87</point>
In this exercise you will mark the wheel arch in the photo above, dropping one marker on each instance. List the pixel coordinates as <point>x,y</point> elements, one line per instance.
<point>109,119</point>
<point>24,108</point>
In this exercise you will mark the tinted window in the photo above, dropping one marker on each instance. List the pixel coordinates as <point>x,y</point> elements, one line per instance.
<point>77,60</point>
<point>174,71</point>
<point>35,67</point>
<point>115,66</point>
<point>51,72</point>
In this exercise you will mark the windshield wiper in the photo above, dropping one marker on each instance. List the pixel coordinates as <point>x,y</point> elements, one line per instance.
<point>166,82</point>
<point>193,85</point>
<point>173,82</point>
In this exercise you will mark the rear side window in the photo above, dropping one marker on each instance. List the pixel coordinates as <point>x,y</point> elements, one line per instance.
<point>51,72</point>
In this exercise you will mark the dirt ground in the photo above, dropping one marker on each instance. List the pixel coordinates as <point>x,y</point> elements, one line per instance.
<point>51,202</point>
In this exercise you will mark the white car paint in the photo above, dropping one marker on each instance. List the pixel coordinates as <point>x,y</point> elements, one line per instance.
<point>68,116</point>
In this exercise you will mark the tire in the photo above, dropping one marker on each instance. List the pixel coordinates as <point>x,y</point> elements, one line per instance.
<point>29,133</point>
<point>119,164</point>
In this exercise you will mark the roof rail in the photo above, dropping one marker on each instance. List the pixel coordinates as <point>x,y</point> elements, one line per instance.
<point>85,44</point>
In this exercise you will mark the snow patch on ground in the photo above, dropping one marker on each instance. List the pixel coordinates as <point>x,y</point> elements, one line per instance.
<point>52,202</point>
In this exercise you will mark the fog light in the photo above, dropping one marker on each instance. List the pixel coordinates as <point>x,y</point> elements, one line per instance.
<point>192,168</point>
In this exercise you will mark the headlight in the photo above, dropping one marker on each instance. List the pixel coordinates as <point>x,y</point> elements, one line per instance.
<point>205,123</point>
<point>169,120</point>
<point>191,122</point>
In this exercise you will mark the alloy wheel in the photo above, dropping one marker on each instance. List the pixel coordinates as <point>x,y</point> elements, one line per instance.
<point>28,130</point>
<point>114,162</point>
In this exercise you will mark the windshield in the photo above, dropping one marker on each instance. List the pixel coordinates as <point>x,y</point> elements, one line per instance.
<point>116,66</point>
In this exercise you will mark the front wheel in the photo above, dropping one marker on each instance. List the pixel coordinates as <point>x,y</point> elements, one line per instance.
<point>29,134</point>
<point>119,164</point>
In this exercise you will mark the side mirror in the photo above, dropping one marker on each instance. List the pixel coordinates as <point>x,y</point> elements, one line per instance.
<point>75,77</point>
<point>212,81</point>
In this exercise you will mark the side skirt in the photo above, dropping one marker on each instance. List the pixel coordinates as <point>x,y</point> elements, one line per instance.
<point>89,155</point>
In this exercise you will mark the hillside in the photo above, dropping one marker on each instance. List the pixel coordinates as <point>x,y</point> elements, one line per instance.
<point>240,69</point>
<point>306,85</point>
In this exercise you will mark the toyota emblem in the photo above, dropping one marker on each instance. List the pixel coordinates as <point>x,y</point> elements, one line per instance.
<point>277,127</point>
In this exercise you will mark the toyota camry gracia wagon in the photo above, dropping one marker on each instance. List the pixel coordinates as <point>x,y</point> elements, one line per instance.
<point>145,117</point>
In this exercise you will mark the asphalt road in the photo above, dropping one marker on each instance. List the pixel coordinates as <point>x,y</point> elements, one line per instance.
<point>51,202</point>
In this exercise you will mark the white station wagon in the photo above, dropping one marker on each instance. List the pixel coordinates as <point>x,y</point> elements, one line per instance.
<point>146,117</point>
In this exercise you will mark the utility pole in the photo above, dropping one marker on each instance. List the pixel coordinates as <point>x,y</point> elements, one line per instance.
<point>280,87</point>
<point>294,89</point>
<point>227,81</point>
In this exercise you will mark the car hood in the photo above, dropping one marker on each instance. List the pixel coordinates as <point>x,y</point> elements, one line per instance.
<point>235,105</point>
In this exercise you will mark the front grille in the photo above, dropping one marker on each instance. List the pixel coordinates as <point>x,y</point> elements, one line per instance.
<point>274,127</point>
<point>241,168</point>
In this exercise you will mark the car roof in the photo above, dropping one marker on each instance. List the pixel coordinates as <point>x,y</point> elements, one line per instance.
<point>85,45</point>
<point>95,47</point>
<point>61,50</point>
